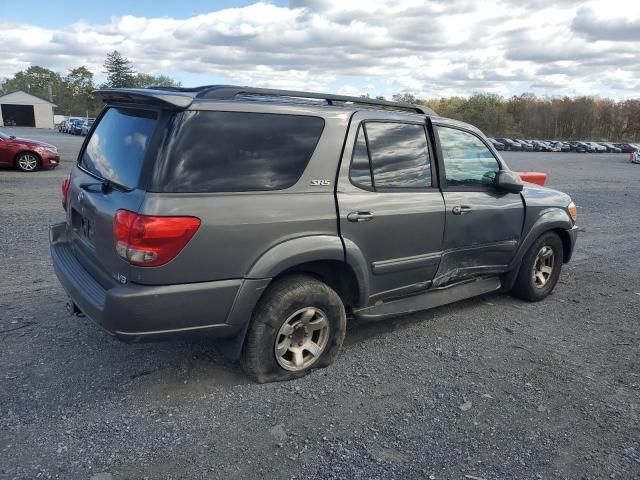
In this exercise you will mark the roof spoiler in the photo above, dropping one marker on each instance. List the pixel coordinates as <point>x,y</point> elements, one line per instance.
<point>146,96</point>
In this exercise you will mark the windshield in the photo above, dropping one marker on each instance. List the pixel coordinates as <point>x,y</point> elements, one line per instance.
<point>117,146</point>
<point>4,135</point>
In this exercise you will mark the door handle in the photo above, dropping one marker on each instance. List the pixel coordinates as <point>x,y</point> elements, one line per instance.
<point>360,216</point>
<point>461,209</point>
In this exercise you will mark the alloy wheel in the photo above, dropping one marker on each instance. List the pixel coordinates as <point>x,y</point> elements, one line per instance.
<point>28,162</point>
<point>302,339</point>
<point>543,266</point>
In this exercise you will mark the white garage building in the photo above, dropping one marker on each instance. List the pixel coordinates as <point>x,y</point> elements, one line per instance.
<point>21,109</point>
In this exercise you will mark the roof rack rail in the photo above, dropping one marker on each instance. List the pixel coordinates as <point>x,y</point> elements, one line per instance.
<point>230,92</point>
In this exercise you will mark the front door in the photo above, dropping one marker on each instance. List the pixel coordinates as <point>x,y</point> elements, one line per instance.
<point>6,155</point>
<point>483,225</point>
<point>391,211</point>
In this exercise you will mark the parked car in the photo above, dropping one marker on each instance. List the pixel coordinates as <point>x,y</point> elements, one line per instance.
<point>268,217</point>
<point>497,145</point>
<point>510,144</point>
<point>589,148</point>
<point>555,146</point>
<point>65,126</point>
<point>75,126</point>
<point>625,147</point>
<point>526,146</point>
<point>596,147</point>
<point>541,146</point>
<point>611,148</point>
<point>577,147</point>
<point>27,155</point>
<point>86,126</point>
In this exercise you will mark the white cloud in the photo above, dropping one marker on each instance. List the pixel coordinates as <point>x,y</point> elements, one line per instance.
<point>428,48</point>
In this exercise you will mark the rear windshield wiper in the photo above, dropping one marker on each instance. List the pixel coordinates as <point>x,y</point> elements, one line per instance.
<point>105,186</point>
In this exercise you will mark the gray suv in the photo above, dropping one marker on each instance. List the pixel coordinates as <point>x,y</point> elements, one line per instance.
<point>267,218</point>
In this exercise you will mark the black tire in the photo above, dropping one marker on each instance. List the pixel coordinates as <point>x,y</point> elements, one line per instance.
<point>526,286</point>
<point>27,162</point>
<point>283,299</point>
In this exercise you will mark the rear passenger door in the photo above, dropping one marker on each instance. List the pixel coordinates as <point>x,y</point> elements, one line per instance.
<point>391,211</point>
<point>483,225</point>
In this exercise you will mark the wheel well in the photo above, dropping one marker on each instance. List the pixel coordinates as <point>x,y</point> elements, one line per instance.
<point>566,244</point>
<point>338,275</point>
<point>15,159</point>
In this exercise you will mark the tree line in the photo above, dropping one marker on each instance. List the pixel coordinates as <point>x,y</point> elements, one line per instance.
<point>72,92</point>
<point>522,116</point>
<point>546,118</point>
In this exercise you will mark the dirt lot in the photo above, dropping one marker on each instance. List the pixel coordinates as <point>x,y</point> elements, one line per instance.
<point>491,388</point>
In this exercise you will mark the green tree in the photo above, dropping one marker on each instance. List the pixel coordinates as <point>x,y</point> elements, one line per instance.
<point>119,70</point>
<point>36,81</point>
<point>404,97</point>
<point>487,112</point>
<point>80,81</point>
<point>80,85</point>
<point>145,80</point>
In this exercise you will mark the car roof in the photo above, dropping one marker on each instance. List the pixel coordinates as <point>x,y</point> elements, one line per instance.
<point>182,98</point>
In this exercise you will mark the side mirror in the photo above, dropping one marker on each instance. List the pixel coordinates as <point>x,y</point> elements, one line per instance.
<point>508,181</point>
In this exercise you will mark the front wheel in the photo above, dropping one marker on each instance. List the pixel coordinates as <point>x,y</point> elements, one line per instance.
<point>297,326</point>
<point>540,268</point>
<point>27,162</point>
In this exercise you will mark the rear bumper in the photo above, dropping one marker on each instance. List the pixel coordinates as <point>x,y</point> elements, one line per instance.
<point>135,312</point>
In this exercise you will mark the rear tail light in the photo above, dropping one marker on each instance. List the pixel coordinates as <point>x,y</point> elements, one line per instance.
<point>150,241</point>
<point>66,184</point>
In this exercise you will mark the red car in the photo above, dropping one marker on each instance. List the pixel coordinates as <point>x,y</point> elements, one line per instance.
<point>27,155</point>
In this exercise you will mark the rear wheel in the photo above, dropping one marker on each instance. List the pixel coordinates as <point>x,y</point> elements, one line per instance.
<point>297,326</point>
<point>540,268</point>
<point>27,162</point>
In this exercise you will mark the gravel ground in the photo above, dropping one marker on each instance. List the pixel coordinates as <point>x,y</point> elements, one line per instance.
<point>490,388</point>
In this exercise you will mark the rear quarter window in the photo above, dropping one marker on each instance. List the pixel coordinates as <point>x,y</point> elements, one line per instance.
<point>213,151</point>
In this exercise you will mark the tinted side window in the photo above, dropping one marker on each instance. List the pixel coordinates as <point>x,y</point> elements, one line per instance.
<point>360,171</point>
<point>467,160</point>
<point>237,152</point>
<point>117,146</point>
<point>399,155</point>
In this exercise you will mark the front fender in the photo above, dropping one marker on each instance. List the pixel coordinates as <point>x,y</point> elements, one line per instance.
<point>555,218</point>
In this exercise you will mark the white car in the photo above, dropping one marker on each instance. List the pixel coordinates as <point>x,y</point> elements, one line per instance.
<point>598,148</point>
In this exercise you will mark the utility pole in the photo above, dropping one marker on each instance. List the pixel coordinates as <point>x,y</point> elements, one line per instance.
<point>50,91</point>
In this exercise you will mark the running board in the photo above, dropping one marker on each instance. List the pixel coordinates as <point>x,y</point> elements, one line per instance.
<point>429,299</point>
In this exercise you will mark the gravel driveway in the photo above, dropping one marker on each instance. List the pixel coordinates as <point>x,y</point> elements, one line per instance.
<point>491,388</point>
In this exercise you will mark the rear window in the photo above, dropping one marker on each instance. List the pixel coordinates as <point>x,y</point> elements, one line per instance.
<point>117,146</point>
<point>397,156</point>
<point>212,151</point>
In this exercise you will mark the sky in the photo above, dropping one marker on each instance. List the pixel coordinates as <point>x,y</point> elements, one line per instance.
<point>430,49</point>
